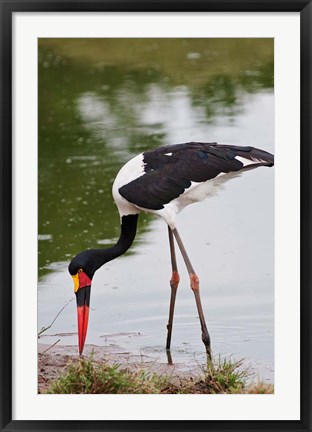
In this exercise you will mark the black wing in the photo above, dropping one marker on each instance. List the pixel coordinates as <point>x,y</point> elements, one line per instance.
<point>169,170</point>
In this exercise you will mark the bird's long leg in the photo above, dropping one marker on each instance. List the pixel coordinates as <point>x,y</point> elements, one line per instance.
<point>195,288</point>
<point>174,282</point>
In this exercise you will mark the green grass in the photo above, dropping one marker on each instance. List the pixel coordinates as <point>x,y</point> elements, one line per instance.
<point>87,376</point>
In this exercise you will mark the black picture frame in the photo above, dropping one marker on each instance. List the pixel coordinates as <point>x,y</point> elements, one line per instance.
<point>7,10</point>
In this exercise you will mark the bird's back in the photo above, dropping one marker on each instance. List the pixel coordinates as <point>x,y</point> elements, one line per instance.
<point>168,173</point>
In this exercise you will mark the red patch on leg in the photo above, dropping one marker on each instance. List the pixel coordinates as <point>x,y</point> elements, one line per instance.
<point>194,282</point>
<point>175,278</point>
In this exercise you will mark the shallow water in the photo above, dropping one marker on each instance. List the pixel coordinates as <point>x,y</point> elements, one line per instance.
<point>229,238</point>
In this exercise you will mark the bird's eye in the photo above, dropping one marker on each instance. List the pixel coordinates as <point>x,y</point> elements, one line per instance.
<point>80,270</point>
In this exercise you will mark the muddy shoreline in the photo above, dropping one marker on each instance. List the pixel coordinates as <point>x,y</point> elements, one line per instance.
<point>53,360</point>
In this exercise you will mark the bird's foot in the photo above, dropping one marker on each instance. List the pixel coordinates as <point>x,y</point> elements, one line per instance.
<point>209,354</point>
<point>207,343</point>
<point>169,357</point>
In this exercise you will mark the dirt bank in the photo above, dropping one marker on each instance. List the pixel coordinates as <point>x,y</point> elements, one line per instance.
<point>52,361</point>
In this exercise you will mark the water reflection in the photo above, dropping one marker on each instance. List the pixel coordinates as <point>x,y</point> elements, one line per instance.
<point>93,116</point>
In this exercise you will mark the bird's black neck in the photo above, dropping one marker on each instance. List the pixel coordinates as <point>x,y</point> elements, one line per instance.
<point>127,235</point>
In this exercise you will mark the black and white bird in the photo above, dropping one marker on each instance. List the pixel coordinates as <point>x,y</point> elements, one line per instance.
<point>163,181</point>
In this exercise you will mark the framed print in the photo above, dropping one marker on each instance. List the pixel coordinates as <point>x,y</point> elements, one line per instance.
<point>120,310</point>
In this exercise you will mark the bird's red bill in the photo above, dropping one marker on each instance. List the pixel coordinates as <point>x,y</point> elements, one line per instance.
<point>83,319</point>
<point>83,305</point>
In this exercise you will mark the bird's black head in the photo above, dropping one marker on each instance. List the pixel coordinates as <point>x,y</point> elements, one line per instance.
<point>85,261</point>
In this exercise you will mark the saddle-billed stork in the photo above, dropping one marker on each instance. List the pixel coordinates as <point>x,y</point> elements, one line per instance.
<point>163,181</point>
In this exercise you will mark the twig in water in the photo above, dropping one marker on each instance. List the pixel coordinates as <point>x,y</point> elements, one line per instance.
<point>50,346</point>
<point>49,326</point>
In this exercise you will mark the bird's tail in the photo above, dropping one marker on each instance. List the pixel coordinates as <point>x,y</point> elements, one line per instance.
<point>261,156</point>
<point>252,157</point>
